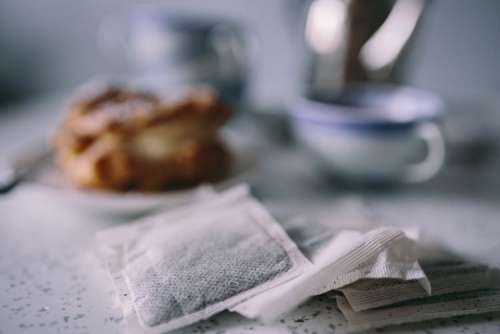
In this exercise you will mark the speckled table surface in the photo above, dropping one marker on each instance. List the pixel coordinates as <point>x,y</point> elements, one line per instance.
<point>51,281</point>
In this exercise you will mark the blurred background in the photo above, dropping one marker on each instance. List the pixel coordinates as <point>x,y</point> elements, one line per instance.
<point>51,46</point>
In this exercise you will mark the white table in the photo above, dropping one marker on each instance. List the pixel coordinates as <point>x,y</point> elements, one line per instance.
<point>51,281</point>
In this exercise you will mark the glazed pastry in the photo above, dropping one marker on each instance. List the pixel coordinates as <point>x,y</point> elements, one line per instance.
<point>120,139</point>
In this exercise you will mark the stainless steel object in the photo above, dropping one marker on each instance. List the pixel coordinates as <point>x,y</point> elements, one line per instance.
<point>355,41</point>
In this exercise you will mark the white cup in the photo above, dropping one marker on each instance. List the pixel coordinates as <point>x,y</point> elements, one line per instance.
<point>373,133</point>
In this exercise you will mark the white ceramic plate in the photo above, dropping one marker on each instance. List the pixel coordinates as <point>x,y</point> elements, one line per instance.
<point>137,203</point>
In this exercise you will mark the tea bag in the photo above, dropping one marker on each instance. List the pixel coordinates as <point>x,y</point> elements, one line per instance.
<point>340,257</point>
<point>185,265</point>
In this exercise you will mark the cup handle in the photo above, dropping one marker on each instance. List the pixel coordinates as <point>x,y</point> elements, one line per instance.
<point>422,171</point>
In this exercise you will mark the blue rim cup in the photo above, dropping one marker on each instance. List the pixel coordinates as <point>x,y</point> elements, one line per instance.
<point>373,133</point>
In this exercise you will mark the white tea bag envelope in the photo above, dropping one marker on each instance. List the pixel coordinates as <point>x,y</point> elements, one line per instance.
<point>339,258</point>
<point>436,307</point>
<point>188,264</point>
<point>445,278</point>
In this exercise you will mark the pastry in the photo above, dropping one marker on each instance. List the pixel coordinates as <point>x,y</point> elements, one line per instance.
<point>121,139</point>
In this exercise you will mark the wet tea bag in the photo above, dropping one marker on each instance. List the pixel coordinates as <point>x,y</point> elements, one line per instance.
<point>185,265</point>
